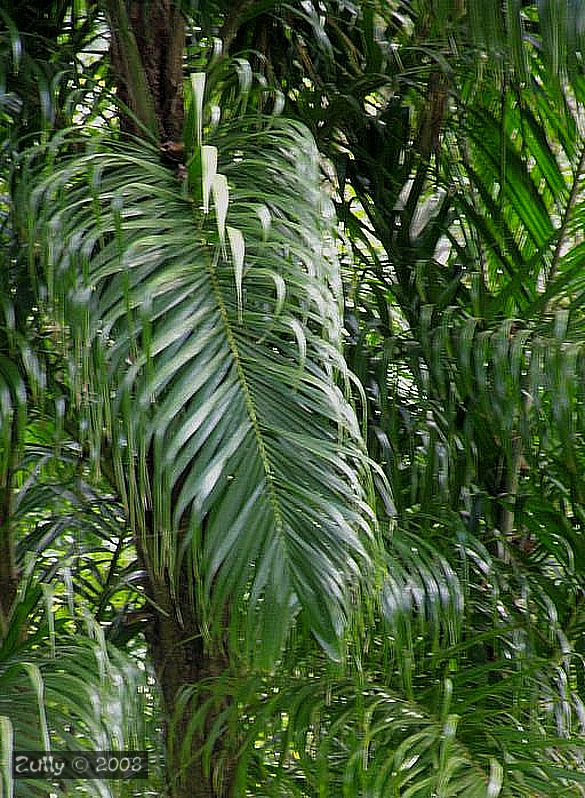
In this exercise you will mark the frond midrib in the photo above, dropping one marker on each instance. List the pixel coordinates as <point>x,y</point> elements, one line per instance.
<point>247,395</point>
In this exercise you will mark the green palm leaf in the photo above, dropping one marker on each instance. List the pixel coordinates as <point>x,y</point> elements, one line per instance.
<point>322,735</point>
<point>212,363</point>
<point>62,690</point>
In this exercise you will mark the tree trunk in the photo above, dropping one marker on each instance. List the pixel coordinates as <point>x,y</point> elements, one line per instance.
<point>9,573</point>
<point>180,660</point>
<point>147,48</point>
<point>9,578</point>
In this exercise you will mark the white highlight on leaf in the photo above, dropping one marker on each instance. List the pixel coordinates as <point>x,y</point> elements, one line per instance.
<point>221,200</point>
<point>245,75</point>
<point>280,286</point>
<point>279,102</point>
<point>198,86</point>
<point>34,674</point>
<point>265,217</point>
<point>215,115</point>
<point>299,332</point>
<point>494,787</point>
<point>209,171</point>
<point>238,248</point>
<point>7,737</point>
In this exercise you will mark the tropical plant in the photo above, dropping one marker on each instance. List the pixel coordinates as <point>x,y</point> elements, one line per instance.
<point>203,357</point>
<point>175,273</point>
<point>62,683</point>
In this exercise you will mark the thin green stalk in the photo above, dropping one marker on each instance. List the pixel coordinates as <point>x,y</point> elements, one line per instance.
<point>575,188</point>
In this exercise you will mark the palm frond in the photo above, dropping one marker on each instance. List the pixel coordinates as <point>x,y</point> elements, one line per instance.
<point>61,688</point>
<point>320,733</point>
<point>209,353</point>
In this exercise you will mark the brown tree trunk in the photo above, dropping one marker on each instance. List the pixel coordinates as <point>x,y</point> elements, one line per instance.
<point>9,578</point>
<point>147,48</point>
<point>180,660</point>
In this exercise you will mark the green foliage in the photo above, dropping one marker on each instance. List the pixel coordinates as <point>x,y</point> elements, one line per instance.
<point>61,688</point>
<point>191,318</point>
<point>208,349</point>
<point>51,60</point>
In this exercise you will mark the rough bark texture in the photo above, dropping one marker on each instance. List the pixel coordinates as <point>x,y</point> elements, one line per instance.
<point>9,578</point>
<point>158,31</point>
<point>9,573</point>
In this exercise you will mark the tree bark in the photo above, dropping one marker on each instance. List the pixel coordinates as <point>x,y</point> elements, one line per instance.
<point>180,660</point>
<point>146,51</point>
<point>9,578</point>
